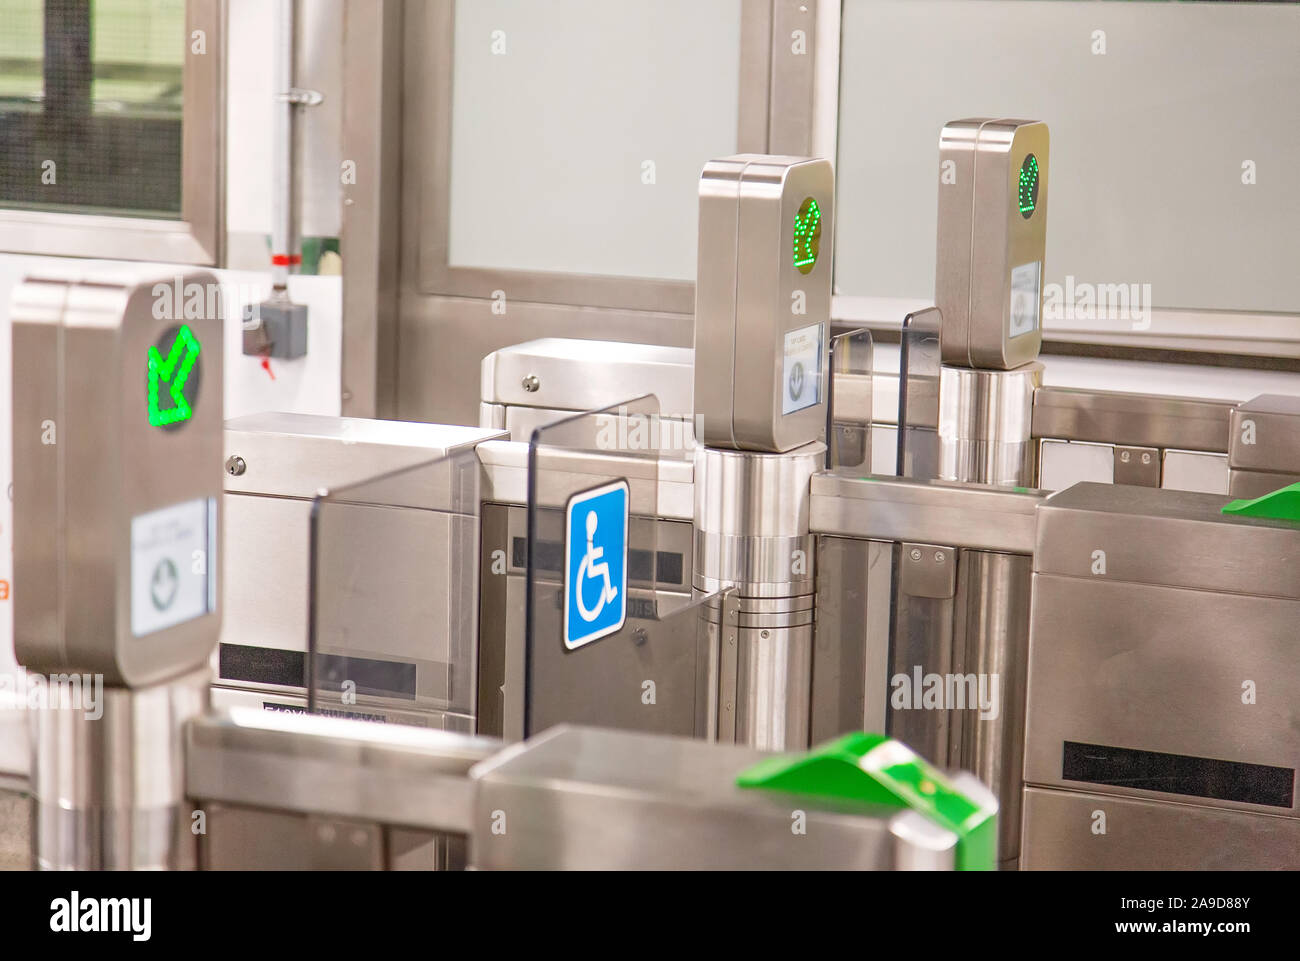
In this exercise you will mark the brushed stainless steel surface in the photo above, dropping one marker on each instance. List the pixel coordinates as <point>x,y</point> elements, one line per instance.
<point>505,477</point>
<point>760,566</point>
<point>256,839</point>
<point>370,209</point>
<point>851,641</point>
<point>755,495</point>
<point>955,614</point>
<point>1139,466</point>
<point>1156,668</point>
<point>746,289</point>
<point>242,838</point>
<point>289,459</point>
<point>927,570</point>
<point>982,237</point>
<point>721,680</point>
<point>295,455</point>
<point>108,790</point>
<point>1142,835</point>
<point>87,462</point>
<point>1264,435</point>
<point>1162,537</point>
<point>424,850</point>
<point>791,113</point>
<point>994,593</point>
<point>935,512</point>
<point>774,687</point>
<point>675,436</point>
<point>751,533</point>
<point>309,764</point>
<point>645,678</point>
<point>1250,484</point>
<point>1139,420</point>
<point>1173,634</point>
<point>566,799</point>
<point>582,375</point>
<point>984,424</point>
<point>603,686</point>
<point>923,640</point>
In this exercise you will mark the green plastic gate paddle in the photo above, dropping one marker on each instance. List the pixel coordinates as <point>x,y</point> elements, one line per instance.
<point>1280,505</point>
<point>880,770</point>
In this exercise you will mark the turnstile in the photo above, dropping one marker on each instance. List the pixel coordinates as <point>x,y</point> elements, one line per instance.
<point>1163,679</point>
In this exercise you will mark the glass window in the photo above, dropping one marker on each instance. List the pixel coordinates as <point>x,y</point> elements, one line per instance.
<point>90,106</point>
<point>572,115</point>
<point>1174,141</point>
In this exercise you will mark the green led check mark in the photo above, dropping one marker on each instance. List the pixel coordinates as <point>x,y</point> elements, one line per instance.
<point>174,372</point>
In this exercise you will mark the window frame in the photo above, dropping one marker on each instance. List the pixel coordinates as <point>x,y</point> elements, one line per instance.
<point>429,61</point>
<point>198,237</point>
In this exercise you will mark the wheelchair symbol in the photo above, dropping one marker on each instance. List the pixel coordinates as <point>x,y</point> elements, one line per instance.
<point>595,564</point>
<point>592,567</point>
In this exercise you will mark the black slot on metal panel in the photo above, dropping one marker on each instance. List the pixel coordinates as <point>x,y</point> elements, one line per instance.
<point>1179,774</point>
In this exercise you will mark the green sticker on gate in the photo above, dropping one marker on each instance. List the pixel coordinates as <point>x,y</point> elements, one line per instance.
<point>879,770</point>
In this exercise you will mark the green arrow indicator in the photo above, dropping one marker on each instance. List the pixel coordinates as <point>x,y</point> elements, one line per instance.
<point>174,372</point>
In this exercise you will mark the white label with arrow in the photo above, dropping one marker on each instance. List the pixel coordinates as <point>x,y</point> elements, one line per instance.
<point>170,566</point>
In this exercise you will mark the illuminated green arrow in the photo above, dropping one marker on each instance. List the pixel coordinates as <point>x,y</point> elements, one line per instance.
<point>174,372</point>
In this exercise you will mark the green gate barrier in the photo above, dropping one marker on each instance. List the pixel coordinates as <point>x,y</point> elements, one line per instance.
<point>879,770</point>
<point>1280,505</point>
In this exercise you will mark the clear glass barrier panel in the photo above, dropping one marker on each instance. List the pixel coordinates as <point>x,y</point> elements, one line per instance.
<point>918,396</point>
<point>848,411</point>
<point>612,631</point>
<point>393,629</point>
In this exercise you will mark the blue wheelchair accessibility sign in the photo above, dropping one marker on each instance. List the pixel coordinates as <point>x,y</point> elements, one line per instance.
<point>595,564</point>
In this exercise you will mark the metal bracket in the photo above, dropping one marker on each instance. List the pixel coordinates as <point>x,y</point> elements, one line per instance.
<point>1137,466</point>
<point>928,570</point>
<point>301,97</point>
<point>341,845</point>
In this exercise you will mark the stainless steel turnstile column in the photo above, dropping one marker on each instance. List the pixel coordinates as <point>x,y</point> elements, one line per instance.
<point>751,532</point>
<point>117,540</point>
<point>961,613</point>
<point>762,336</point>
<point>108,792</point>
<point>985,419</point>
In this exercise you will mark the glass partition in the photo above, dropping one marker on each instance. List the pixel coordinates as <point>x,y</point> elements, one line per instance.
<point>848,408</point>
<point>1173,145</point>
<point>570,116</point>
<point>613,636</point>
<point>918,395</point>
<point>393,623</point>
